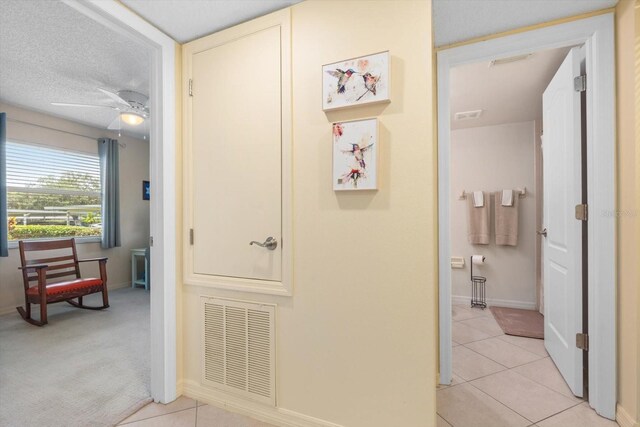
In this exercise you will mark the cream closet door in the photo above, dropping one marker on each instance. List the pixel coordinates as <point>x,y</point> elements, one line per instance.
<point>563,241</point>
<point>234,166</point>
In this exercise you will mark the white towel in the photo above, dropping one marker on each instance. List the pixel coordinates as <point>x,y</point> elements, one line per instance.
<point>478,199</point>
<point>507,197</point>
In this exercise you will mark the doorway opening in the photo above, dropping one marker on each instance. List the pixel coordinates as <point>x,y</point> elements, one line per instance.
<point>162,177</point>
<point>513,81</point>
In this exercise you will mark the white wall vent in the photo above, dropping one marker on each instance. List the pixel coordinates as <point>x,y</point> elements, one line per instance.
<point>466,115</point>
<point>238,342</point>
<point>509,60</point>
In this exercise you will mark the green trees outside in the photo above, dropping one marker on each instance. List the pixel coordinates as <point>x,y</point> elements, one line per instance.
<point>73,181</point>
<point>85,224</point>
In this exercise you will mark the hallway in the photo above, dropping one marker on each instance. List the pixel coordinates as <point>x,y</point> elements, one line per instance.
<point>505,381</point>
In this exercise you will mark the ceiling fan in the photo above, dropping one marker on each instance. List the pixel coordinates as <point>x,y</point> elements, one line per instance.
<point>132,106</point>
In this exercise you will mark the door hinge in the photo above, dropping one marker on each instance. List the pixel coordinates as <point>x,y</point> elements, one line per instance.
<point>191,236</point>
<point>190,87</point>
<point>582,212</point>
<point>582,341</point>
<point>150,240</point>
<point>580,83</point>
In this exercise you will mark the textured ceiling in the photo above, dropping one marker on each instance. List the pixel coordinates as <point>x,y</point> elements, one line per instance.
<point>49,52</point>
<point>187,20</point>
<point>507,93</point>
<point>459,20</point>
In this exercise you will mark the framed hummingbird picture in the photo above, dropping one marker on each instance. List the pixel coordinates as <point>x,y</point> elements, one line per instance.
<point>355,155</point>
<point>356,81</point>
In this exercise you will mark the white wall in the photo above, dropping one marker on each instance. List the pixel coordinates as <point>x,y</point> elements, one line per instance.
<point>493,158</point>
<point>356,343</point>
<point>134,212</point>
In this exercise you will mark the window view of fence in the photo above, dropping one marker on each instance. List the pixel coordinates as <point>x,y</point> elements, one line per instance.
<point>52,192</point>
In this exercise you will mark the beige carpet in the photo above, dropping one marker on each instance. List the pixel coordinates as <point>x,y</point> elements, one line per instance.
<point>85,368</point>
<point>522,323</point>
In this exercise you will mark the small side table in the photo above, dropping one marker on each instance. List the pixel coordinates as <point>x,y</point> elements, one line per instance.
<point>136,278</point>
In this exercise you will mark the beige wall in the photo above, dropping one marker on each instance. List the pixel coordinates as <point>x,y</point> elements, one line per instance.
<point>134,168</point>
<point>356,344</point>
<point>637,141</point>
<point>491,158</point>
<point>628,247</point>
<point>637,144</point>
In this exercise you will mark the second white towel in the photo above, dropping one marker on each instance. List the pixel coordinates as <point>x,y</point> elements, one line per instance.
<point>478,199</point>
<point>507,197</point>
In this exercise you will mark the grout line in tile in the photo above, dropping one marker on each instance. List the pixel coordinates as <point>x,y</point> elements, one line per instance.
<point>539,357</point>
<point>487,357</point>
<point>511,409</point>
<point>453,385</point>
<point>544,385</point>
<point>469,381</point>
<point>156,416</point>
<point>448,422</point>
<point>481,339</point>
<point>499,403</point>
<point>517,345</point>
<point>534,422</point>
<point>558,413</point>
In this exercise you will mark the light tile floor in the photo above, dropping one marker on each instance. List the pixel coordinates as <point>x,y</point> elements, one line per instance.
<point>505,381</point>
<point>185,412</point>
<point>498,381</point>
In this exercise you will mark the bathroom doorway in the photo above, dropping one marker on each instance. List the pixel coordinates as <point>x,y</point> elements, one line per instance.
<point>508,147</point>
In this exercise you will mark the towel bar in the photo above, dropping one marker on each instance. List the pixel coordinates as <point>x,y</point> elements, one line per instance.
<point>522,192</point>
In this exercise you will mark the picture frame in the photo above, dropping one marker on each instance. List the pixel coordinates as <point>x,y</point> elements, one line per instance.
<point>355,155</point>
<point>146,190</point>
<point>356,81</point>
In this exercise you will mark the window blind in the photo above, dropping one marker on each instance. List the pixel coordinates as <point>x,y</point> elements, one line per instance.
<point>37,169</point>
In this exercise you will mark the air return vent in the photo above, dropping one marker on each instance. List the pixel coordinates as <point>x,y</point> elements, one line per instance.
<point>238,348</point>
<point>509,60</point>
<point>466,115</point>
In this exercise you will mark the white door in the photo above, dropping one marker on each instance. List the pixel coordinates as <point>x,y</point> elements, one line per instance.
<point>237,157</point>
<point>563,243</point>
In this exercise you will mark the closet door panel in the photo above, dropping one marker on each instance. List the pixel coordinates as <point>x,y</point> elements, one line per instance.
<point>236,154</point>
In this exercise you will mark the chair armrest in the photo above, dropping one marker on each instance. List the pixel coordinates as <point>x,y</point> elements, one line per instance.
<point>93,259</point>
<point>34,266</point>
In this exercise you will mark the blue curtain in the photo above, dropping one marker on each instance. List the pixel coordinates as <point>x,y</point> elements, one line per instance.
<point>4,226</point>
<point>110,183</point>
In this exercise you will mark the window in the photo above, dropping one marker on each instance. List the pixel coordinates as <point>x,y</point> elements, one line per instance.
<point>52,193</point>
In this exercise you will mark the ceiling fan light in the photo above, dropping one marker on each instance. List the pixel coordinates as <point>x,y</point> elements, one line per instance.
<point>132,119</point>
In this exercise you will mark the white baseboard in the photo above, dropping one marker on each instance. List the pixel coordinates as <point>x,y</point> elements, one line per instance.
<point>6,310</point>
<point>119,286</point>
<point>12,309</point>
<point>277,416</point>
<point>624,419</point>
<point>461,299</point>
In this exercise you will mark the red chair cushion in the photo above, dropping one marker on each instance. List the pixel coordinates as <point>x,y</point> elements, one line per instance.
<point>62,287</point>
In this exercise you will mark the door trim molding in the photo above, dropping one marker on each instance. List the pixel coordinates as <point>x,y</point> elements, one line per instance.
<point>597,33</point>
<point>282,19</point>
<point>162,141</point>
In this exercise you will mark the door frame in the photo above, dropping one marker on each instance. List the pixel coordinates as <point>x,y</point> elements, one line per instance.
<point>597,34</point>
<point>162,171</point>
<point>283,287</point>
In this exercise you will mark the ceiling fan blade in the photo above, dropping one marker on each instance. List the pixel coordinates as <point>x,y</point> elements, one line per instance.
<point>68,104</point>
<point>115,124</point>
<point>115,97</point>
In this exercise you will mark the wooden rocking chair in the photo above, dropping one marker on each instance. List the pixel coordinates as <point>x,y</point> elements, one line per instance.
<point>43,269</point>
